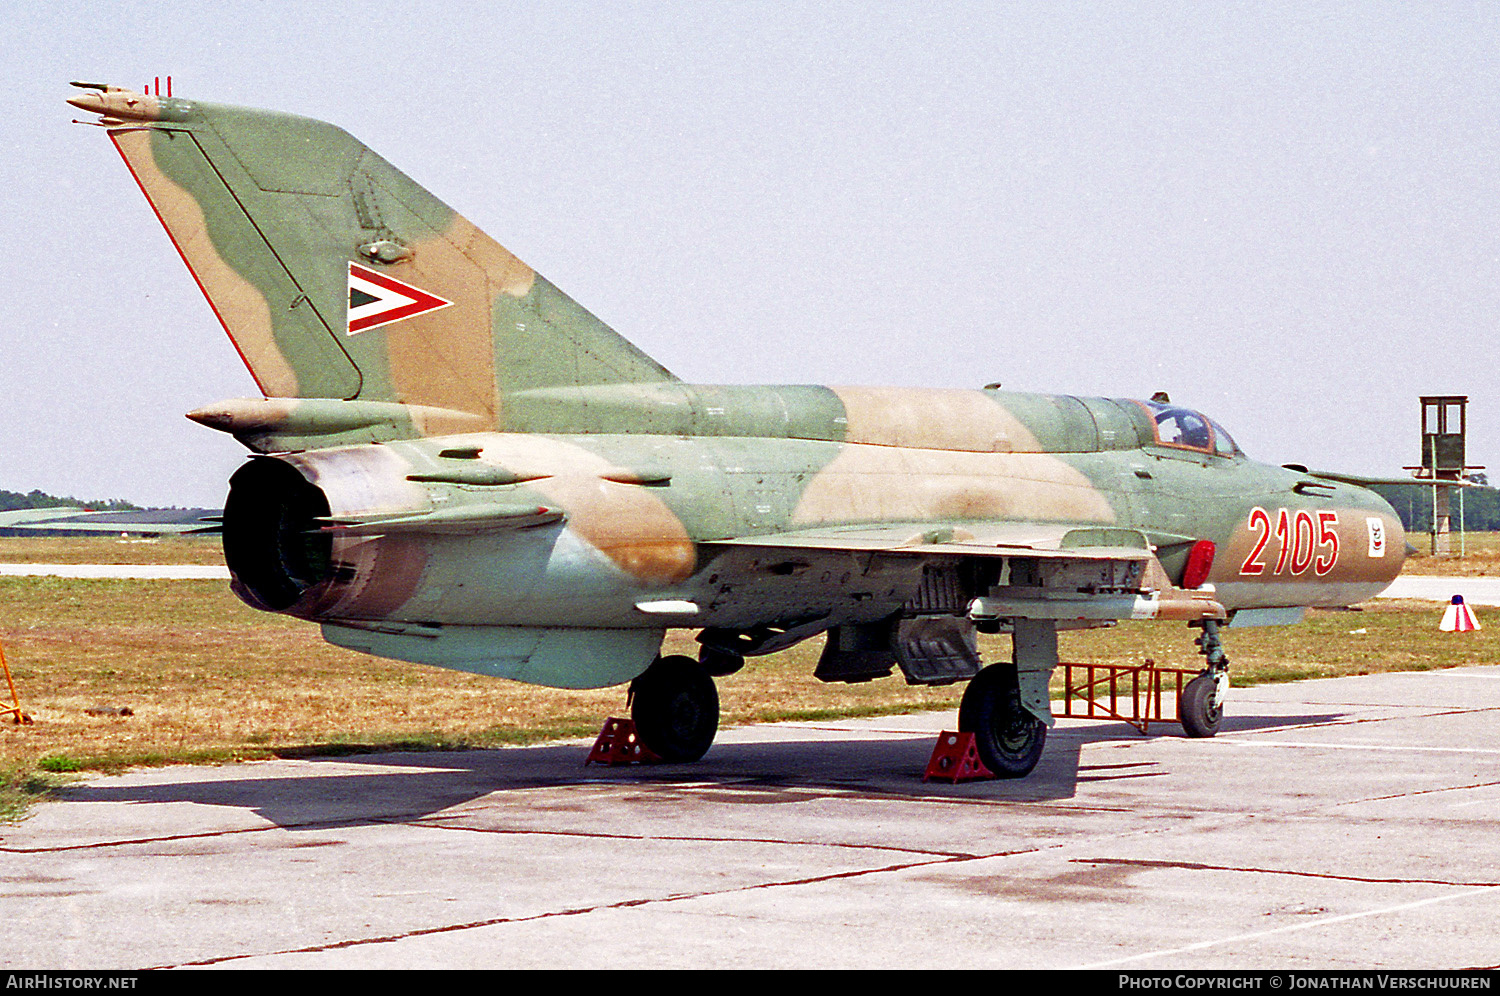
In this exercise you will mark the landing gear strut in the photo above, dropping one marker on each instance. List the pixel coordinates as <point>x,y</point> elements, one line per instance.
<point>1202,704</point>
<point>675,707</point>
<point>1009,739</point>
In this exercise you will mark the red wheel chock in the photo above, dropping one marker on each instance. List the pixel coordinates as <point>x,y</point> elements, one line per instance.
<point>618,744</point>
<point>956,759</point>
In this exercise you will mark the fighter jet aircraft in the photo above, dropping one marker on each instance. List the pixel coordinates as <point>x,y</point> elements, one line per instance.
<point>455,464</point>
<point>141,522</point>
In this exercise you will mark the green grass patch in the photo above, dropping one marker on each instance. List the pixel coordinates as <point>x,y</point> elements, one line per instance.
<point>21,788</point>
<point>1272,674</point>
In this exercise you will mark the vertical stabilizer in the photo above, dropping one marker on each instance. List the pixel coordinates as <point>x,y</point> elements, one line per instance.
<point>337,276</point>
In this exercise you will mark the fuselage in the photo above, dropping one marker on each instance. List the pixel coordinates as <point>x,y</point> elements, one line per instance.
<point>622,518</point>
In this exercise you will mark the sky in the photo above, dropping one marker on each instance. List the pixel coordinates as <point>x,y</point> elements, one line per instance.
<point>1283,214</point>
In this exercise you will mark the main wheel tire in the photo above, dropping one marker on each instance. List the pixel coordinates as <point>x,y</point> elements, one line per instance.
<point>1196,709</point>
<point>675,707</point>
<point>1009,739</point>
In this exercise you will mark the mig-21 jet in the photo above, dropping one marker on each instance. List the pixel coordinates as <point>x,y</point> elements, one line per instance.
<point>457,465</point>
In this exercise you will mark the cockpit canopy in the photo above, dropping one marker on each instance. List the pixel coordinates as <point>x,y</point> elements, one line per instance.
<point>1184,429</point>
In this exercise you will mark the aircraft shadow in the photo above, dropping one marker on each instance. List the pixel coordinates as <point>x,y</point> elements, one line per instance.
<point>1104,731</point>
<point>426,783</point>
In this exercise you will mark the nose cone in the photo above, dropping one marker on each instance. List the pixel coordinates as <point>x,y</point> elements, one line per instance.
<point>1388,548</point>
<point>1398,542</point>
<point>90,102</point>
<point>115,102</point>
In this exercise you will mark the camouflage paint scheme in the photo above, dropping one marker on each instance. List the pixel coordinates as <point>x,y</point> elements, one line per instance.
<point>505,485</point>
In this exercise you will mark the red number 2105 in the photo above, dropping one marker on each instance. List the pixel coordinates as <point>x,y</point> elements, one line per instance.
<point>1301,542</point>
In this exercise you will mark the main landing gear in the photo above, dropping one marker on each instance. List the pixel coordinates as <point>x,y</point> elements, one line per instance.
<point>1009,739</point>
<point>675,707</point>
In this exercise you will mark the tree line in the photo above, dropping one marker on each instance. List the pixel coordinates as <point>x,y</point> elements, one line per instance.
<point>1480,507</point>
<point>12,500</point>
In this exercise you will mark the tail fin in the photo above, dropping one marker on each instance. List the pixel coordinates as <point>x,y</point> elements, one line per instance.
<point>337,276</point>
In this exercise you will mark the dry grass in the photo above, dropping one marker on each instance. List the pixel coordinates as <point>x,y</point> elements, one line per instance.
<point>1481,556</point>
<point>110,550</point>
<point>207,678</point>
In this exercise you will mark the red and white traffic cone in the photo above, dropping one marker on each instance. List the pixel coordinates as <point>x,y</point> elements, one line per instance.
<point>1458,617</point>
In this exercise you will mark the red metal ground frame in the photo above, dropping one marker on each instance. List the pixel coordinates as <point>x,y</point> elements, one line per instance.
<point>1137,687</point>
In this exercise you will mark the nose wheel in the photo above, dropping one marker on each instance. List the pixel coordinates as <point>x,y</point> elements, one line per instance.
<point>675,707</point>
<point>1201,706</point>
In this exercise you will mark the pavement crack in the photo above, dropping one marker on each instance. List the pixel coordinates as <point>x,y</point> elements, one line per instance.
<point>135,841</point>
<point>1358,720</point>
<point>440,823</point>
<point>1414,793</point>
<point>598,908</point>
<point>1202,866</point>
<point>210,834</point>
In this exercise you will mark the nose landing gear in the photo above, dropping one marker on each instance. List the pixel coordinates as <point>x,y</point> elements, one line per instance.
<point>1202,704</point>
